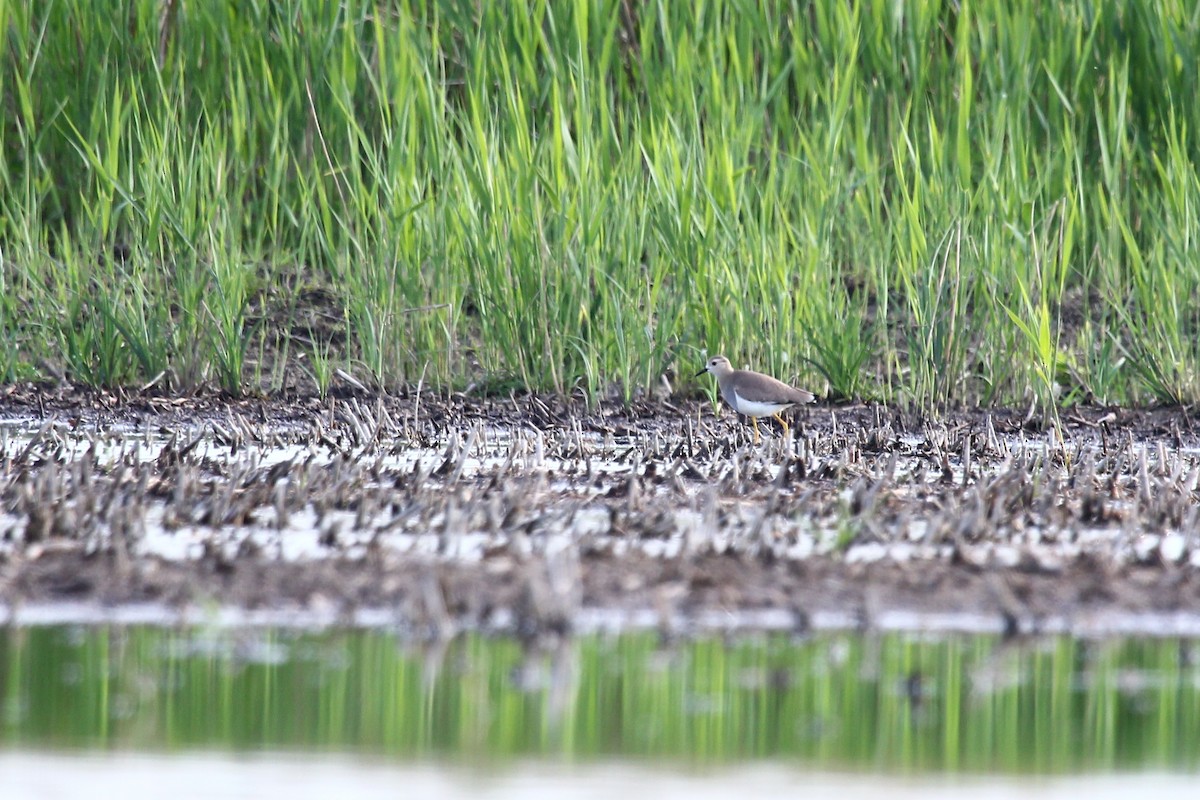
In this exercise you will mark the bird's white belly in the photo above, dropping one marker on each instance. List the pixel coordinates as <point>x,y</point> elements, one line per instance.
<point>752,408</point>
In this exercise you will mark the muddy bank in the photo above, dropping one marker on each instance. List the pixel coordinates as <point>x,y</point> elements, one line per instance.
<point>428,599</point>
<point>537,515</point>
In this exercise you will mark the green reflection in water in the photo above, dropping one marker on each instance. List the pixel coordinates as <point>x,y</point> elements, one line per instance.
<point>839,701</point>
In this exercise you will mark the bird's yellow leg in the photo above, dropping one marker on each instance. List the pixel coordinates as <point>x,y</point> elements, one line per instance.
<point>786,429</point>
<point>756,436</point>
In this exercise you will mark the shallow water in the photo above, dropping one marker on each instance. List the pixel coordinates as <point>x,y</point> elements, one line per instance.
<point>37,776</point>
<point>898,702</point>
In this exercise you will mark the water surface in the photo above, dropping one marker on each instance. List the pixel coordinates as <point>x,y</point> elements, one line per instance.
<point>899,702</point>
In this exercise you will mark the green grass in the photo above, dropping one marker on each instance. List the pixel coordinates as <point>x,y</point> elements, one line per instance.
<point>933,204</point>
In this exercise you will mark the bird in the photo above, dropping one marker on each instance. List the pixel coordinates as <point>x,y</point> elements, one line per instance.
<point>755,394</point>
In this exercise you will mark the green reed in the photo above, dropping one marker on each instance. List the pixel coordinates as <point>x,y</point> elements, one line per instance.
<point>930,203</point>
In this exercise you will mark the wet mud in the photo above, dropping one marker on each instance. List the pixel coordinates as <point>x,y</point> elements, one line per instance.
<point>534,515</point>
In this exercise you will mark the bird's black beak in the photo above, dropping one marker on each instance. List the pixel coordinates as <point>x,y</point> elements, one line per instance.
<point>701,372</point>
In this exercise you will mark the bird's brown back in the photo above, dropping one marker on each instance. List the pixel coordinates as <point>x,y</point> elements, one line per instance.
<point>759,388</point>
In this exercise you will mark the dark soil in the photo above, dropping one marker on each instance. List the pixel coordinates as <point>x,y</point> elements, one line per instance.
<point>1006,544</point>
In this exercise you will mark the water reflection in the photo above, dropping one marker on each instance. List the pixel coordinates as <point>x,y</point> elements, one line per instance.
<point>284,775</point>
<point>898,702</point>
